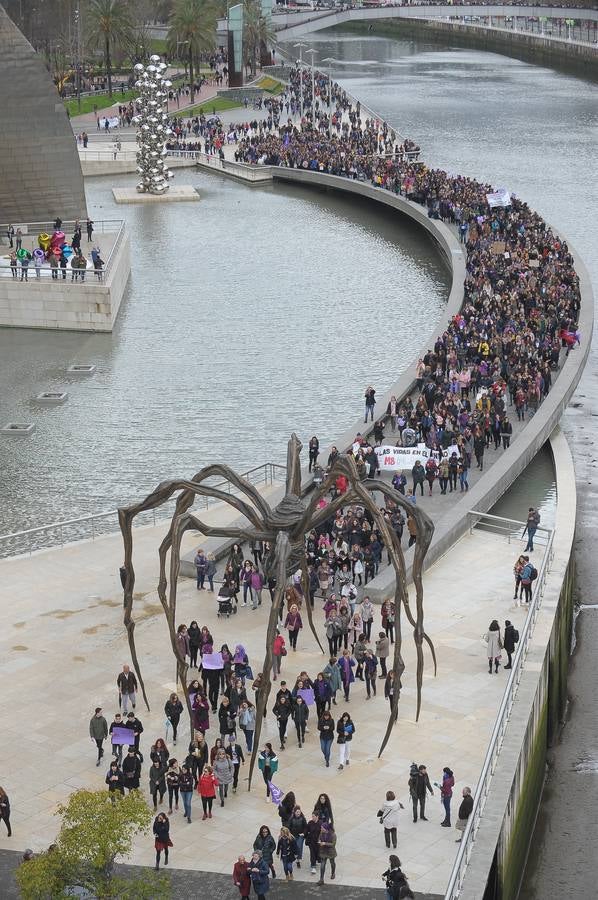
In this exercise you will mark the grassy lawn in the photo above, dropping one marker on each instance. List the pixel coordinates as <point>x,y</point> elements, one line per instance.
<point>218,103</point>
<point>271,85</point>
<point>102,101</point>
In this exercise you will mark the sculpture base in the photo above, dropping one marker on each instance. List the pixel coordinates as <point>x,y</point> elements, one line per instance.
<point>175,193</point>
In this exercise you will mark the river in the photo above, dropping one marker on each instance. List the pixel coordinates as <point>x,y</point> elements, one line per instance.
<point>251,314</point>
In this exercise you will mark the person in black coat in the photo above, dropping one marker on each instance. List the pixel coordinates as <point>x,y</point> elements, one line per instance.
<point>162,838</point>
<point>194,634</point>
<point>137,728</point>
<point>131,770</point>
<point>465,810</point>
<point>173,709</point>
<point>419,783</point>
<point>282,711</point>
<point>314,449</point>
<point>312,836</point>
<point>114,778</point>
<point>198,756</point>
<point>510,638</point>
<point>301,715</point>
<point>5,810</point>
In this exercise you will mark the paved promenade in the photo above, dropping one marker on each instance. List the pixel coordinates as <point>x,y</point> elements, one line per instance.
<point>63,644</point>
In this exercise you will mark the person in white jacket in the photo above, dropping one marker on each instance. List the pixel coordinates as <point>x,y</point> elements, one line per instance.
<point>494,641</point>
<point>389,818</point>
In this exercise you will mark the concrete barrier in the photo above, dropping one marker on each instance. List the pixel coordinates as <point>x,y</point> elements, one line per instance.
<point>63,305</point>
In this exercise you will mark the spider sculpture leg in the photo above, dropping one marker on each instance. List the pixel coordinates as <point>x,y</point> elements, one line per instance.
<point>282,553</point>
<point>309,610</point>
<point>126,517</point>
<point>425,531</point>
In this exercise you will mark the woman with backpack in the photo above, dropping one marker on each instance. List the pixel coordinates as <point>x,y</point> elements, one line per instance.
<point>396,883</point>
<point>494,642</point>
<point>528,574</point>
<point>511,637</point>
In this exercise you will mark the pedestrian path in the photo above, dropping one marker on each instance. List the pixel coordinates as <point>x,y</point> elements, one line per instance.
<point>62,644</point>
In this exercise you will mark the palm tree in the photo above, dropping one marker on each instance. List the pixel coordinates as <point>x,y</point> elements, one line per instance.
<point>109,25</point>
<point>192,25</point>
<point>258,32</point>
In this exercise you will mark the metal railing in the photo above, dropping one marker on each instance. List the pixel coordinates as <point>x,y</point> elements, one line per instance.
<point>509,527</point>
<point>33,229</point>
<point>129,155</point>
<point>455,883</point>
<point>98,524</point>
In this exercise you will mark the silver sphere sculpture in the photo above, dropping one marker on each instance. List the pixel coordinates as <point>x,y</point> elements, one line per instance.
<point>152,127</point>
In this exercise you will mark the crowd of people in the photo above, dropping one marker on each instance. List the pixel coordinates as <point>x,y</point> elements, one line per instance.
<point>210,771</point>
<point>70,258</point>
<point>521,303</point>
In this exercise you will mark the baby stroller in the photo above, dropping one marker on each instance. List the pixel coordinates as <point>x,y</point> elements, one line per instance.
<point>225,604</point>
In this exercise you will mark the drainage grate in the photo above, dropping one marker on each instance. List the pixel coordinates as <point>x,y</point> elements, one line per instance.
<point>81,370</point>
<point>19,429</point>
<point>52,398</point>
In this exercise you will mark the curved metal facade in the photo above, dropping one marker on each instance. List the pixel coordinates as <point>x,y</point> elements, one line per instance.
<point>40,174</point>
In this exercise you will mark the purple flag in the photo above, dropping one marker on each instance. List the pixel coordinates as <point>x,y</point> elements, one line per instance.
<point>308,696</point>
<point>275,793</point>
<point>122,735</point>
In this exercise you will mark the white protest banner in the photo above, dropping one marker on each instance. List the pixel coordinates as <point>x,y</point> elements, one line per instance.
<point>393,459</point>
<point>212,661</point>
<point>501,197</point>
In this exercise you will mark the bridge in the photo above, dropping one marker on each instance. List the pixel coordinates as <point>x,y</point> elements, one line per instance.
<point>295,25</point>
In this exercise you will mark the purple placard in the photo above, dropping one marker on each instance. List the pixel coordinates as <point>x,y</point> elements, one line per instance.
<point>212,661</point>
<point>308,696</point>
<point>122,735</point>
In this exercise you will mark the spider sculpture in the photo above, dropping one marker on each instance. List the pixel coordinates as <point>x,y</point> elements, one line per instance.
<point>284,527</point>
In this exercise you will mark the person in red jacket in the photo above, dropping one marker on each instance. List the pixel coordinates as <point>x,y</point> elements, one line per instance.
<point>207,790</point>
<point>241,878</point>
<point>278,651</point>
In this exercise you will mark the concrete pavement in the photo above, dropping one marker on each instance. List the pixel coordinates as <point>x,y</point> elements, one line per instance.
<point>63,644</point>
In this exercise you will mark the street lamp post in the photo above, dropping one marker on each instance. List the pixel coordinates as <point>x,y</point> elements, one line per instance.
<point>181,44</point>
<point>313,88</point>
<point>300,61</point>
<point>329,60</point>
<point>79,51</point>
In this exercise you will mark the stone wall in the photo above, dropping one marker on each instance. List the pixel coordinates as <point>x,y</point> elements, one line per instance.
<point>41,176</point>
<point>531,47</point>
<point>65,305</point>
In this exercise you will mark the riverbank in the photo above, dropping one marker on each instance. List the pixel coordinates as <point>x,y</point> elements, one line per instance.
<point>577,59</point>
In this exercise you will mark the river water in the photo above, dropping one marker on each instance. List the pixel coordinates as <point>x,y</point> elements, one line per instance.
<point>534,131</point>
<point>251,314</point>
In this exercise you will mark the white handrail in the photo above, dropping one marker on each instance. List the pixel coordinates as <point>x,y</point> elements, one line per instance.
<point>268,473</point>
<point>481,793</point>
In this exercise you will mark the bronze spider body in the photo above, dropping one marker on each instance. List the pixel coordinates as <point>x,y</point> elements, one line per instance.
<point>284,527</point>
